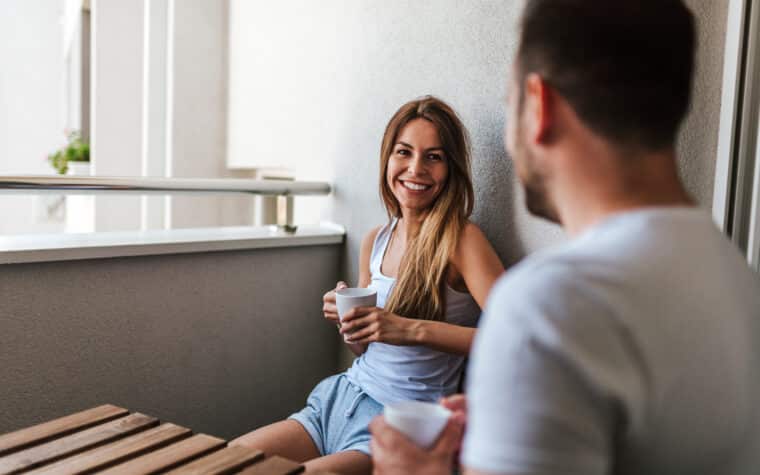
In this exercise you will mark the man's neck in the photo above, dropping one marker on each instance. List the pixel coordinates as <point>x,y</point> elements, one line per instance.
<point>595,186</point>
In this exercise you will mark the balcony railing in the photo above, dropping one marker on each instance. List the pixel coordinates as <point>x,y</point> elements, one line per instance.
<point>278,192</point>
<point>89,185</point>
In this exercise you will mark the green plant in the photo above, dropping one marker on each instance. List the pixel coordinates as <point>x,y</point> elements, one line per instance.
<point>77,150</point>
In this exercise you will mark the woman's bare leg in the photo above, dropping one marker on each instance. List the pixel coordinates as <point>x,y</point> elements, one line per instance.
<point>350,462</point>
<point>286,438</point>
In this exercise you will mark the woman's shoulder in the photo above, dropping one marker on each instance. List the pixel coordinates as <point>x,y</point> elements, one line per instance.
<point>471,239</point>
<point>370,237</point>
<point>471,234</point>
<point>369,240</point>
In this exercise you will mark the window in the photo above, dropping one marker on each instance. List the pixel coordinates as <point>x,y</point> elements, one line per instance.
<point>736,204</point>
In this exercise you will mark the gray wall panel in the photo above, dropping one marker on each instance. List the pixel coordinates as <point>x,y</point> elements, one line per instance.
<point>221,342</point>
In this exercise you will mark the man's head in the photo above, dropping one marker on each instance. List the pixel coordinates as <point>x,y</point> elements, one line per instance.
<point>624,67</point>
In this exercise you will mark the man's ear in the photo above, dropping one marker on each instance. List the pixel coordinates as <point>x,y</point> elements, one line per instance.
<point>539,109</point>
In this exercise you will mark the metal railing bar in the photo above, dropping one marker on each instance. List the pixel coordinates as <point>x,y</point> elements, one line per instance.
<point>141,185</point>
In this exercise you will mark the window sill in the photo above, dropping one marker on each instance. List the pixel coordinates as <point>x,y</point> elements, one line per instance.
<point>66,247</point>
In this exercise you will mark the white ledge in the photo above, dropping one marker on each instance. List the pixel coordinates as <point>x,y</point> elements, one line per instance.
<point>65,247</point>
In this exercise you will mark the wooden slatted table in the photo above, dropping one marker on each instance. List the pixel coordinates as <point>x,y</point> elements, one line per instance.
<point>109,439</point>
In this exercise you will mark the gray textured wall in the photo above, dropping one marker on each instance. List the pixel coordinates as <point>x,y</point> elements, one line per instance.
<point>698,144</point>
<point>461,51</point>
<point>221,342</point>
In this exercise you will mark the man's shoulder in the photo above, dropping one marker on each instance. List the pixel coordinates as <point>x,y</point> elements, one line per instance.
<point>558,290</point>
<point>540,271</point>
<point>619,251</point>
<point>536,281</point>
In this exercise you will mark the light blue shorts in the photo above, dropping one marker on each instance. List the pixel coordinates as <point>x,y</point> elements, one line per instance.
<point>337,416</point>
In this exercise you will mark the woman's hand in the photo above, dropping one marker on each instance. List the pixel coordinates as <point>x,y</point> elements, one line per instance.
<point>365,325</point>
<point>328,304</point>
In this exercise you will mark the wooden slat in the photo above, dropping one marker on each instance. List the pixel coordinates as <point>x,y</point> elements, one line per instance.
<point>274,466</point>
<point>169,457</point>
<point>25,438</point>
<point>222,462</point>
<point>77,442</point>
<point>117,452</point>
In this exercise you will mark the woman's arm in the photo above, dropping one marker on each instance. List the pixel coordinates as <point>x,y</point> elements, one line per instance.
<point>443,336</point>
<point>477,263</point>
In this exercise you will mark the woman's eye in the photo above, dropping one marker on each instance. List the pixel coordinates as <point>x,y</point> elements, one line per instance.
<point>434,157</point>
<point>402,151</point>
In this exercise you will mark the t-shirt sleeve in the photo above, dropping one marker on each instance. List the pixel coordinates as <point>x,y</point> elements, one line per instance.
<point>546,369</point>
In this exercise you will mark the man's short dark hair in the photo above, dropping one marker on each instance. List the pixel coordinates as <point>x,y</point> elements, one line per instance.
<point>625,66</point>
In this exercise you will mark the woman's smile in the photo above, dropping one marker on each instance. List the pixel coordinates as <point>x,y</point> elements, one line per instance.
<point>415,186</point>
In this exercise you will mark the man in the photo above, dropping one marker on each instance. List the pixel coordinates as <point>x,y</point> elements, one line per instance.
<point>634,347</point>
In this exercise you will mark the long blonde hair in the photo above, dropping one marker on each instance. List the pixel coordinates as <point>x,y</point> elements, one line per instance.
<point>420,286</point>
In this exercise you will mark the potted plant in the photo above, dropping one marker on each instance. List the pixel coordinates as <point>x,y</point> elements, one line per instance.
<point>77,150</point>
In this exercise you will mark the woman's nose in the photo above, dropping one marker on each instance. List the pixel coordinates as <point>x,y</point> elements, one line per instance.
<point>417,165</point>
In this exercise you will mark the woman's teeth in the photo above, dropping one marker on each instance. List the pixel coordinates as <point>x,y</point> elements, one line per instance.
<point>414,186</point>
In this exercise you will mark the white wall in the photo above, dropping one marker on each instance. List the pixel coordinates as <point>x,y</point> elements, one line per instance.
<point>155,110</point>
<point>74,55</point>
<point>159,109</point>
<point>117,82</point>
<point>199,111</point>
<point>31,84</point>
<point>31,104</point>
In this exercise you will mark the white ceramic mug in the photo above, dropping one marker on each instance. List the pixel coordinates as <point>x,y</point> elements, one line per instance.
<point>351,297</point>
<point>421,421</point>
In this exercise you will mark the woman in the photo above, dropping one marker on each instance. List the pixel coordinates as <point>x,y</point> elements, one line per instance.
<point>432,269</point>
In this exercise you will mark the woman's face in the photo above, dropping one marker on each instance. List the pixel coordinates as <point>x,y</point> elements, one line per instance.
<point>417,168</point>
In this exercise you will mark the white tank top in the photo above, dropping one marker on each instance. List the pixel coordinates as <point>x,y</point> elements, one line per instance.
<point>390,373</point>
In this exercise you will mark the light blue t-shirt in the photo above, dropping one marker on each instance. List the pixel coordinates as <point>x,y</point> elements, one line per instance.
<point>633,349</point>
<point>391,373</point>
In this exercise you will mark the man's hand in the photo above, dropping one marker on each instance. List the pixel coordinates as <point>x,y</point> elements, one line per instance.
<point>457,404</point>
<point>394,453</point>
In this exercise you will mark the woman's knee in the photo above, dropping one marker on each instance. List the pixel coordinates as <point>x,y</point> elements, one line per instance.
<point>285,438</point>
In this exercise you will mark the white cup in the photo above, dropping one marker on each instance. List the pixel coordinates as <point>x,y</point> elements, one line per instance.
<point>421,421</point>
<point>351,297</point>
